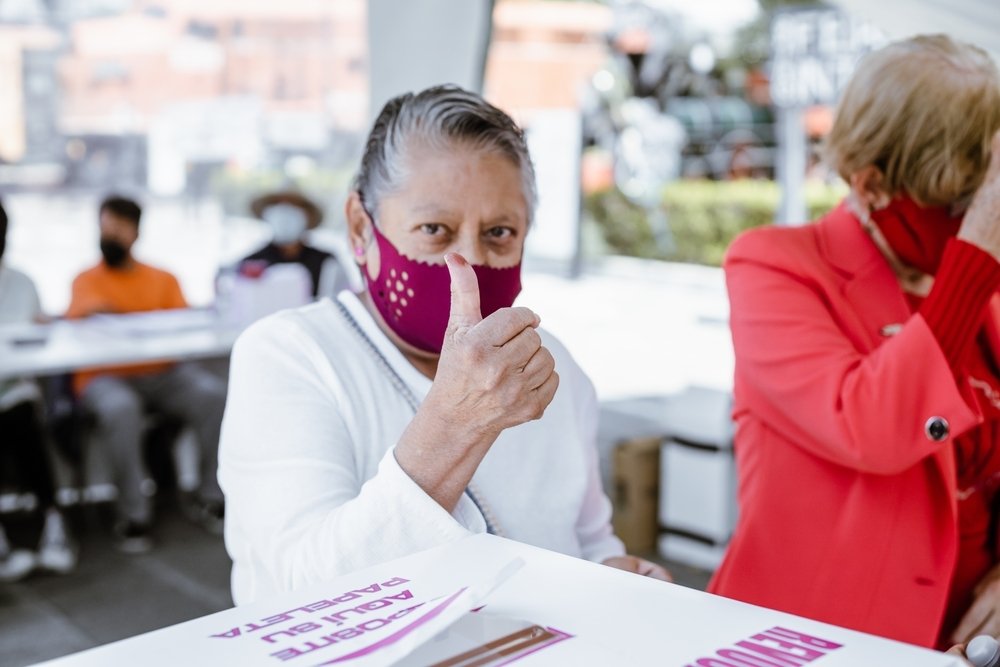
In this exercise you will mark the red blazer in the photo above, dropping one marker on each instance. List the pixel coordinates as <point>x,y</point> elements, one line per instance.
<point>847,503</point>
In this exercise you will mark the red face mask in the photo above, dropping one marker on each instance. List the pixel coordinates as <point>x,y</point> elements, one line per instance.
<point>917,234</point>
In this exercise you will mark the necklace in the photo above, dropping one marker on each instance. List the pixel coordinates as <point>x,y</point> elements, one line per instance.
<point>399,384</point>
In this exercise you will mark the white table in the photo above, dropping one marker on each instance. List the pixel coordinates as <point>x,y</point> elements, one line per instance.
<point>604,617</point>
<point>113,340</point>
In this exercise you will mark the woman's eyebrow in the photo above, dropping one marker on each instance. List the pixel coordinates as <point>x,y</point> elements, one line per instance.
<point>430,209</point>
<point>503,217</point>
<point>438,212</point>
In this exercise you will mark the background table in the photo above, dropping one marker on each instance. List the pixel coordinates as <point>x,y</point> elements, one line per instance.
<point>113,340</point>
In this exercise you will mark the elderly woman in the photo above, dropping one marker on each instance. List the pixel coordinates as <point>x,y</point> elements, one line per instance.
<point>867,377</point>
<point>427,408</point>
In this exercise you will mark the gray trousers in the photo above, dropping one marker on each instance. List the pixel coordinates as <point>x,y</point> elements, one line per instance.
<point>118,403</point>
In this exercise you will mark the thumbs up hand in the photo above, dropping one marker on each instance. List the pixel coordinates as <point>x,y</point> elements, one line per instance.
<point>492,374</point>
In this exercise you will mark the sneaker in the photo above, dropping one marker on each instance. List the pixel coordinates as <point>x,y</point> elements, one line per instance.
<point>133,537</point>
<point>56,551</point>
<point>15,564</point>
<point>209,514</point>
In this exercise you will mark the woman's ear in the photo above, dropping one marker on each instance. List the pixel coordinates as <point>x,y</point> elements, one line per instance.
<point>359,233</point>
<point>868,187</point>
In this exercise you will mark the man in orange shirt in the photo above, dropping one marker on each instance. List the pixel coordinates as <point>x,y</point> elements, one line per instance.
<point>118,397</point>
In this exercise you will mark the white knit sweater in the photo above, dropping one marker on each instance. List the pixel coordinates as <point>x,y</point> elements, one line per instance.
<point>313,489</point>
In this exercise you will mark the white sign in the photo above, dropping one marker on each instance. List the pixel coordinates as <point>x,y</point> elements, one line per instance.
<point>813,54</point>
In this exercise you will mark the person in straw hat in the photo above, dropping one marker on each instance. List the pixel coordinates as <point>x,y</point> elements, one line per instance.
<point>290,214</point>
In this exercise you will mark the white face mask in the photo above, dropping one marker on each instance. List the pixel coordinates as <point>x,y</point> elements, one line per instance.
<point>287,221</point>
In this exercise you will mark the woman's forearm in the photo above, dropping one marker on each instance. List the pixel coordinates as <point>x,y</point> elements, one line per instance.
<point>441,452</point>
<point>956,305</point>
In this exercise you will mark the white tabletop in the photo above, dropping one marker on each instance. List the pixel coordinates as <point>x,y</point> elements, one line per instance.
<point>602,616</point>
<point>113,340</point>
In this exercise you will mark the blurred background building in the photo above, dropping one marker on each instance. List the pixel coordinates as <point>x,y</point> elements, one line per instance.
<point>201,104</point>
<point>157,94</point>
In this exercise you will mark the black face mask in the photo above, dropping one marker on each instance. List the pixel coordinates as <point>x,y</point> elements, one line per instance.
<point>114,253</point>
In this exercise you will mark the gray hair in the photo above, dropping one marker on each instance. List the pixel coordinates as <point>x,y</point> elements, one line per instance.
<point>440,117</point>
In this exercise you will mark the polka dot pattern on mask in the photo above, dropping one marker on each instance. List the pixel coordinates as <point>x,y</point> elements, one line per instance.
<point>399,293</point>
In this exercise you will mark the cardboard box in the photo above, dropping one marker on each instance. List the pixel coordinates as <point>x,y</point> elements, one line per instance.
<point>636,492</point>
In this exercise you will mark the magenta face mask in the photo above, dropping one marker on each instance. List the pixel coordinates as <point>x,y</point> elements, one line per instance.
<point>414,298</point>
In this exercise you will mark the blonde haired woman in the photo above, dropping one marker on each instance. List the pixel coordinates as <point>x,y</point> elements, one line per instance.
<point>867,376</point>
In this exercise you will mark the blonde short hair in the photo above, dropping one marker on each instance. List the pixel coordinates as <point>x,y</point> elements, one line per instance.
<point>922,110</point>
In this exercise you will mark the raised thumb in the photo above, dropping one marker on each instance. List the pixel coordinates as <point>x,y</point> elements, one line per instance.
<point>465,310</point>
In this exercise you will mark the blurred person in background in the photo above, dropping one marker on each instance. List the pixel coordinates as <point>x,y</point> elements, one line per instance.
<point>23,440</point>
<point>867,383</point>
<point>290,215</point>
<point>118,398</point>
<point>375,425</point>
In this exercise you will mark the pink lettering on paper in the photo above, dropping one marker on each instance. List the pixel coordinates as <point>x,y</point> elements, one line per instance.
<point>808,640</point>
<point>303,628</point>
<point>795,649</point>
<point>340,617</point>
<point>399,634</point>
<point>286,654</point>
<point>405,595</point>
<point>287,616</point>
<point>777,647</point>
<point>277,633</point>
<point>784,657</point>
<point>375,624</point>
<point>403,612</point>
<point>349,633</point>
<point>395,581</point>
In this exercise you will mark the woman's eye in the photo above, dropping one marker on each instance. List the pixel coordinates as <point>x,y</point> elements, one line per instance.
<point>500,232</point>
<point>432,229</point>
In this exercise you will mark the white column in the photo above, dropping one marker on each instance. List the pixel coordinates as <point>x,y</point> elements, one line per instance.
<point>420,43</point>
<point>791,167</point>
